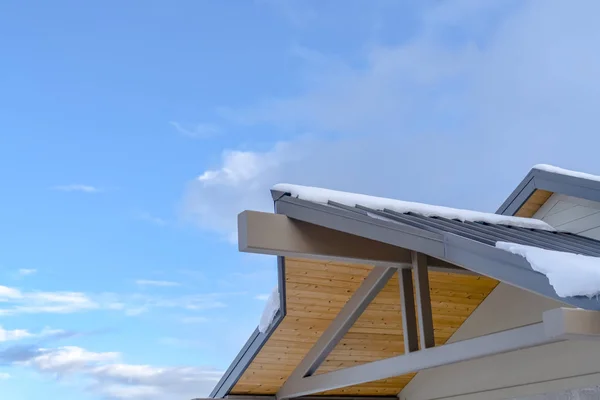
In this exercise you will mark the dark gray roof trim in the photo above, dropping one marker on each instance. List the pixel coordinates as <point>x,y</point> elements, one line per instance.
<point>257,340</point>
<point>470,245</point>
<point>552,182</point>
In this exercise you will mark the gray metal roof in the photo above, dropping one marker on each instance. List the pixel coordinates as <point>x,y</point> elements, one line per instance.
<point>551,182</point>
<point>487,233</point>
<point>470,245</point>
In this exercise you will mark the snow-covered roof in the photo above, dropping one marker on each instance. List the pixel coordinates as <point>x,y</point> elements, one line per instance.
<point>323,196</point>
<point>557,170</point>
<point>569,274</point>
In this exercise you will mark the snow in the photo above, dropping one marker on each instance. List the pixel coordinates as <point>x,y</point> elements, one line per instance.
<point>318,195</point>
<point>270,311</point>
<point>568,172</point>
<point>569,274</point>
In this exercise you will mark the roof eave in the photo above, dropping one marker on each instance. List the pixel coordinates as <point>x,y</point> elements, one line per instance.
<point>254,344</point>
<point>554,182</point>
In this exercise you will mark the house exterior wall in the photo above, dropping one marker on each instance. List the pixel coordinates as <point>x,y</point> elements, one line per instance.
<point>523,374</point>
<point>572,214</point>
<point>591,393</point>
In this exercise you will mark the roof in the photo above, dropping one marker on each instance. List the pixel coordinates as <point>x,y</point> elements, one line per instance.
<point>445,234</point>
<point>471,245</point>
<point>543,180</point>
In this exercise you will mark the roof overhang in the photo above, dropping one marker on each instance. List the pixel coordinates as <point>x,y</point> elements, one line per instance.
<point>549,182</point>
<point>391,242</point>
<point>460,247</point>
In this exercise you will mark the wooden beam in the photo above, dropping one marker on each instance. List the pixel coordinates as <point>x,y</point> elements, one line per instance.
<point>409,317</point>
<point>276,234</point>
<point>425,315</point>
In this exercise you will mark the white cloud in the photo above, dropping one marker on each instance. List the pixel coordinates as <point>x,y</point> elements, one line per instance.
<point>14,301</point>
<point>238,184</point>
<point>262,297</point>
<point>13,335</point>
<point>144,216</point>
<point>194,320</point>
<point>459,105</point>
<point>27,271</point>
<point>196,131</point>
<point>4,376</point>
<point>147,282</point>
<point>69,359</point>
<point>108,377</point>
<point>77,188</point>
<point>8,293</point>
<point>182,343</point>
<point>7,335</point>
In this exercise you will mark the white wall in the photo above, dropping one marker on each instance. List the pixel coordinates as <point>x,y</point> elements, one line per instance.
<point>572,214</point>
<point>545,369</point>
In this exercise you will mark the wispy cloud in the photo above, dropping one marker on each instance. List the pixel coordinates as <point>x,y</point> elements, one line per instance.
<point>8,335</point>
<point>196,131</point>
<point>77,188</point>
<point>110,377</point>
<point>4,376</point>
<point>14,301</point>
<point>262,297</point>
<point>182,343</point>
<point>194,320</point>
<point>144,216</point>
<point>27,271</point>
<point>147,282</point>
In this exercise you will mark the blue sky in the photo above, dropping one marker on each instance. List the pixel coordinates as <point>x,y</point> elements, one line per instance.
<point>134,132</point>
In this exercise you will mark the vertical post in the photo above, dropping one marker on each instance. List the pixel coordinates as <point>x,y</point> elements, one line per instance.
<point>409,317</point>
<point>419,264</point>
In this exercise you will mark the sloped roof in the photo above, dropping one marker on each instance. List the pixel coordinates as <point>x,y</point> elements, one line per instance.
<point>468,244</point>
<point>546,179</point>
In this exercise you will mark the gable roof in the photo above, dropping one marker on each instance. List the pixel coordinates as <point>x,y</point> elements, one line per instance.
<point>543,180</point>
<point>459,237</point>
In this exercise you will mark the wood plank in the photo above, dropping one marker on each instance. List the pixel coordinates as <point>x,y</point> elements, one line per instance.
<point>316,291</point>
<point>533,204</point>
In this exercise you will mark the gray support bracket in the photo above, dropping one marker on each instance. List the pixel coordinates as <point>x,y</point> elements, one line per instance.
<point>425,314</point>
<point>409,317</point>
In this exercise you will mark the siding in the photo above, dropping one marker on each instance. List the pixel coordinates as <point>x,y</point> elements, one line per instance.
<point>572,214</point>
<point>591,393</point>
<point>530,374</point>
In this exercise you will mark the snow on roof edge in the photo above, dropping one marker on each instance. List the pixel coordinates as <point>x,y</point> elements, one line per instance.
<point>270,311</point>
<point>562,171</point>
<point>569,274</point>
<point>322,196</point>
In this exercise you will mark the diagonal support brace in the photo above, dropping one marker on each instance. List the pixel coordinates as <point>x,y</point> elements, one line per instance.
<point>351,311</point>
<point>558,325</point>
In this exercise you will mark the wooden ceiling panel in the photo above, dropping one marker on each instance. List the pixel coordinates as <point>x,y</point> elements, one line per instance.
<point>315,293</point>
<point>533,203</point>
